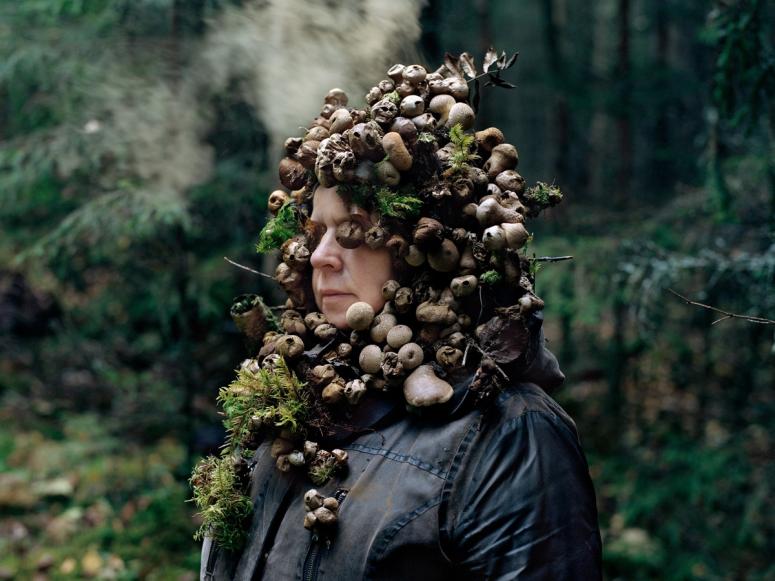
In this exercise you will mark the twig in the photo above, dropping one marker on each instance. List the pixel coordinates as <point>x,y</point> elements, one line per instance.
<point>727,314</point>
<point>551,258</point>
<point>243,267</point>
<point>485,354</point>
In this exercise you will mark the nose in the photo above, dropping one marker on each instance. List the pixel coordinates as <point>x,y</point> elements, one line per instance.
<point>328,253</point>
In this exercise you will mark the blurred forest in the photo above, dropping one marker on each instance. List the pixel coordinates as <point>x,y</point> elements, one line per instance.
<point>138,141</point>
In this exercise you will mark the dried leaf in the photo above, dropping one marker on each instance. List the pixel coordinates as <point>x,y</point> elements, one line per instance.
<point>489,59</point>
<point>510,63</point>
<point>450,61</point>
<point>504,339</point>
<point>498,82</point>
<point>475,99</point>
<point>501,63</point>
<point>466,62</point>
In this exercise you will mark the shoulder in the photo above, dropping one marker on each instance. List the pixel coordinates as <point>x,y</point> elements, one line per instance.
<point>520,489</point>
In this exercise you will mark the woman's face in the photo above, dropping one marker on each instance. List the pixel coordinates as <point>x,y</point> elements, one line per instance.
<point>341,276</point>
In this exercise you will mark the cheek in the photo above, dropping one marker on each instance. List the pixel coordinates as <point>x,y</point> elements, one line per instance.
<point>375,270</point>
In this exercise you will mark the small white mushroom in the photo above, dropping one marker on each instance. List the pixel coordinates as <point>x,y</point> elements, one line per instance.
<point>359,316</point>
<point>410,356</point>
<point>399,336</point>
<point>462,286</point>
<point>370,359</point>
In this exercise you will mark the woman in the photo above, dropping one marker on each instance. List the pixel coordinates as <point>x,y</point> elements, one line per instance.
<point>475,473</point>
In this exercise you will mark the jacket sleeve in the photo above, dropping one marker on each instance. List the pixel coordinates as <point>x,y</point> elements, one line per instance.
<point>520,503</point>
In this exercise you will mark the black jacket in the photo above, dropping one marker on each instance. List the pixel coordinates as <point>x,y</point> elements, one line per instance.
<point>465,494</point>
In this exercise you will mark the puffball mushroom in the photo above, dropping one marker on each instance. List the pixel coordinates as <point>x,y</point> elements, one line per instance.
<point>354,390</point>
<point>494,238</point>
<point>384,111</point>
<point>511,180</point>
<point>457,87</point>
<point>336,97</point>
<point>341,121</point>
<point>325,331</point>
<point>276,200</point>
<point>489,138</point>
<point>441,106</point>
<point>292,174</point>
<point>396,72</point>
<point>429,312</point>
<point>359,316</point>
<point>396,151</point>
<point>381,327</point>
<point>399,336</point>
<point>449,356</point>
<point>387,173</point>
<point>490,212</point>
<point>424,388</point>
<point>412,106</point>
<point>410,355</point>
<point>333,392</point>
<point>516,235</point>
<point>415,74</point>
<point>289,346</point>
<point>389,289</point>
<point>428,233</point>
<point>415,257</point>
<point>503,157</point>
<point>462,286</point>
<point>461,114</point>
<point>349,234</point>
<point>445,258</point>
<point>375,237</point>
<point>370,359</point>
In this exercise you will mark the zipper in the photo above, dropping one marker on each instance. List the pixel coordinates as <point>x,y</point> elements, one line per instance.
<point>315,551</point>
<point>210,565</point>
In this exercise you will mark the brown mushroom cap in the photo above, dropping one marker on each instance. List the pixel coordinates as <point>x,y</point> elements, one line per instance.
<point>423,388</point>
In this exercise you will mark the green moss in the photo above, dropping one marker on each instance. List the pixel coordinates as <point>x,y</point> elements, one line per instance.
<point>279,229</point>
<point>490,277</point>
<point>222,505</point>
<point>462,155</point>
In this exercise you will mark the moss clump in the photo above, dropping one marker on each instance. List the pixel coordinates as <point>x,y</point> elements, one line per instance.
<point>270,397</point>
<point>390,203</point>
<point>543,195</point>
<point>462,154</point>
<point>283,226</point>
<point>490,277</point>
<point>262,398</point>
<point>221,503</point>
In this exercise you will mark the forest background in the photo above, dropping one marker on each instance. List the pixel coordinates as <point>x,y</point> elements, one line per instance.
<point>138,141</point>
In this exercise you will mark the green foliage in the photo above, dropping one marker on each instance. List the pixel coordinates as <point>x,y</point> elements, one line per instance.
<point>390,203</point>
<point>393,97</point>
<point>271,398</point>
<point>283,226</point>
<point>322,472</point>
<point>397,204</point>
<point>744,75</point>
<point>221,503</point>
<point>490,277</point>
<point>463,153</point>
<point>276,397</point>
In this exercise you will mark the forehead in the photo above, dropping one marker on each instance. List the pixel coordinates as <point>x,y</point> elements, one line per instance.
<point>328,206</point>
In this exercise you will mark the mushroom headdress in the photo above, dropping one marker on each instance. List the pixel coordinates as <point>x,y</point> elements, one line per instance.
<point>452,210</point>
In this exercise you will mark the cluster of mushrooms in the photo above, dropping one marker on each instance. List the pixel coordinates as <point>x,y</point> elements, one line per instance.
<point>415,137</point>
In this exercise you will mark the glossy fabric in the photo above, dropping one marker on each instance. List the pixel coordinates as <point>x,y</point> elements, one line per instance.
<point>461,495</point>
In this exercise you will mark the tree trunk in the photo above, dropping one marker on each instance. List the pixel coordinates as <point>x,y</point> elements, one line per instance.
<point>623,126</point>
<point>562,121</point>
